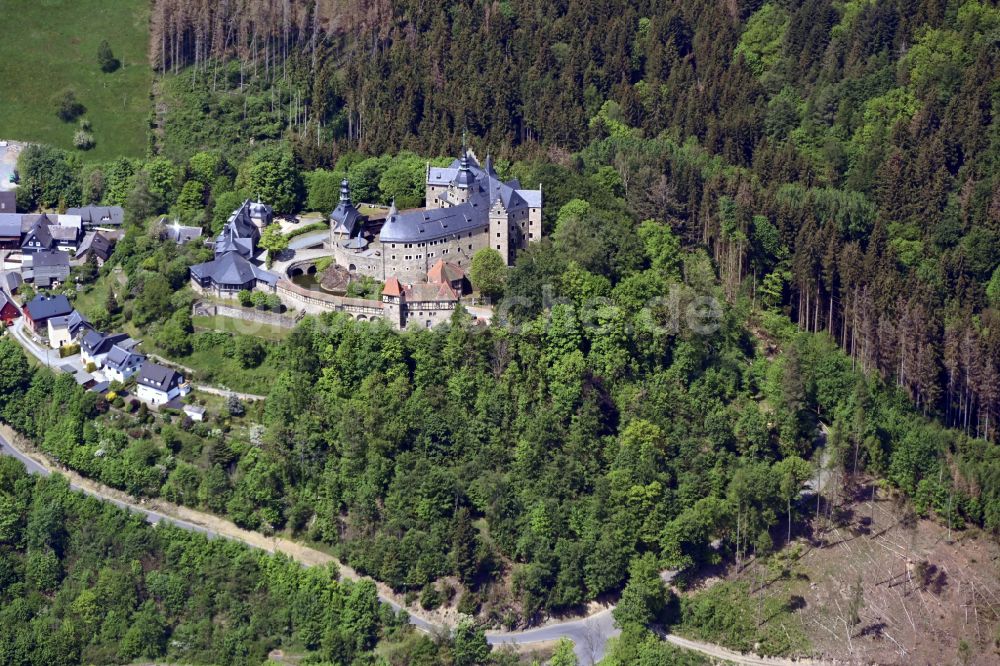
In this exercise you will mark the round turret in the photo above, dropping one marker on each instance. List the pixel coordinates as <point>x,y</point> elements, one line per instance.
<point>465,178</point>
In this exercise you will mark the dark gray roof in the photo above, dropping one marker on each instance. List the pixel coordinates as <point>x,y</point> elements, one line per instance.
<point>8,202</point>
<point>158,377</point>
<point>345,216</point>
<point>38,231</point>
<point>240,223</point>
<point>231,268</point>
<point>484,189</point>
<point>102,246</point>
<point>261,211</point>
<point>181,234</point>
<point>119,358</point>
<point>423,225</point>
<point>465,177</point>
<point>229,241</point>
<point>100,343</point>
<point>42,307</point>
<point>10,225</point>
<point>50,259</point>
<point>61,233</point>
<point>74,321</point>
<point>10,281</point>
<point>488,185</point>
<point>99,216</point>
<point>30,220</point>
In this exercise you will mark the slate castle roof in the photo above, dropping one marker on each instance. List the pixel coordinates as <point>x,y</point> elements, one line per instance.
<point>345,216</point>
<point>232,269</point>
<point>484,188</point>
<point>233,248</point>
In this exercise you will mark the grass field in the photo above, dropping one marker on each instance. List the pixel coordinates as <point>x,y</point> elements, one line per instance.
<point>51,45</point>
<point>239,326</point>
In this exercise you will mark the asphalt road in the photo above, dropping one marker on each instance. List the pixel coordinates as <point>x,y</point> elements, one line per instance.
<point>589,634</point>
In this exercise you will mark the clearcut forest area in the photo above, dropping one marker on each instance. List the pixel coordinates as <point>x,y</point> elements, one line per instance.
<point>621,333</point>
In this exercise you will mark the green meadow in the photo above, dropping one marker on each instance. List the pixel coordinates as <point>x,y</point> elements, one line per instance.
<point>51,45</point>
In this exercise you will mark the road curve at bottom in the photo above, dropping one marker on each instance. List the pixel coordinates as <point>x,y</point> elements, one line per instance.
<point>589,634</point>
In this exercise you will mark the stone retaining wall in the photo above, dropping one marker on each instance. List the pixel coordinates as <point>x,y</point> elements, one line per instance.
<point>317,302</point>
<point>203,309</point>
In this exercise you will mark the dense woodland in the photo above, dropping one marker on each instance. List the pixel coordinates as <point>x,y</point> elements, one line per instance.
<point>83,581</point>
<point>827,170</point>
<point>863,132</point>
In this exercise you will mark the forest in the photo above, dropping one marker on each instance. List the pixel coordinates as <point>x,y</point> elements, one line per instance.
<point>841,157</point>
<point>826,170</point>
<point>82,581</point>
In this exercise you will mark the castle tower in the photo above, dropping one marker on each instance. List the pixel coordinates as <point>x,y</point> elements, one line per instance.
<point>465,180</point>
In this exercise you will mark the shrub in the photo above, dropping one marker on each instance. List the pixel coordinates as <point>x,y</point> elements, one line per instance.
<point>83,140</point>
<point>68,107</point>
<point>430,598</point>
<point>106,58</point>
<point>69,350</point>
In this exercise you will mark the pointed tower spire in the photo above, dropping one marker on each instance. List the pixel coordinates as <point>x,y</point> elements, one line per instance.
<point>392,210</point>
<point>345,191</point>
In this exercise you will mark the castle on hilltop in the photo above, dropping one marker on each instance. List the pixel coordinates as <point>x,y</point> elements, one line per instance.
<point>468,207</point>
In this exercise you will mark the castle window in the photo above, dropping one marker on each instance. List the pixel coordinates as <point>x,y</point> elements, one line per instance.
<point>498,234</point>
<point>470,247</point>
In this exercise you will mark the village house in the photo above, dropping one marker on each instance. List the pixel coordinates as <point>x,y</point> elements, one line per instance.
<point>177,232</point>
<point>36,234</point>
<point>67,329</point>
<point>8,309</point>
<point>94,346</point>
<point>158,385</point>
<point>233,270</point>
<point>99,216</point>
<point>121,363</point>
<point>42,308</point>
<point>97,244</point>
<point>46,268</point>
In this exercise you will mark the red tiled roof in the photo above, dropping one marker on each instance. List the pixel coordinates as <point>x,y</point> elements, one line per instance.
<point>431,292</point>
<point>445,271</point>
<point>392,287</point>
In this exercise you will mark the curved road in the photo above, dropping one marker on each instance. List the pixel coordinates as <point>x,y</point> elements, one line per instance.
<point>589,634</point>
